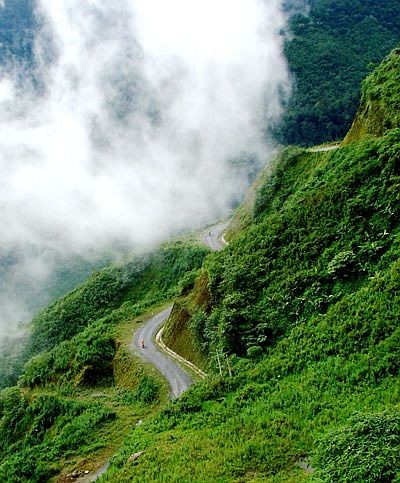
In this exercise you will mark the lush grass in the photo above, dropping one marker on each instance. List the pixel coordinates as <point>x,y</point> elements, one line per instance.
<point>60,426</point>
<point>323,224</point>
<point>183,330</point>
<point>85,318</point>
<point>329,381</point>
<point>52,430</point>
<point>38,432</point>
<point>380,104</point>
<point>302,309</point>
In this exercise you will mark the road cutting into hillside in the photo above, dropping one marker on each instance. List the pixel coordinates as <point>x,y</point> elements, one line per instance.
<point>178,379</point>
<point>322,149</point>
<point>213,237</point>
<point>144,340</point>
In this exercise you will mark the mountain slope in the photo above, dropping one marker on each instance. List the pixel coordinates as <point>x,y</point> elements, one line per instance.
<point>303,312</point>
<point>81,389</point>
<point>330,48</point>
<point>380,103</point>
<point>297,321</point>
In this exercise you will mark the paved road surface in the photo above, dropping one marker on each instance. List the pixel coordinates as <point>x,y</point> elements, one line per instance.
<point>178,380</point>
<point>213,236</point>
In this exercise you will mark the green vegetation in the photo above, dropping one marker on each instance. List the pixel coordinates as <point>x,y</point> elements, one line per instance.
<point>35,434</point>
<point>366,449</point>
<point>329,51</point>
<point>183,332</point>
<point>303,309</point>
<point>380,104</point>
<point>84,318</point>
<point>87,357</point>
<point>297,322</point>
<point>323,224</point>
<point>81,389</point>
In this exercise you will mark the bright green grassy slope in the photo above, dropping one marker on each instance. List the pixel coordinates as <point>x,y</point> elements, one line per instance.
<point>306,300</point>
<point>302,309</point>
<point>380,104</point>
<point>81,390</point>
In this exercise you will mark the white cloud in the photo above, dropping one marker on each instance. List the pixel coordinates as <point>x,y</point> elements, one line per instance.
<point>143,106</point>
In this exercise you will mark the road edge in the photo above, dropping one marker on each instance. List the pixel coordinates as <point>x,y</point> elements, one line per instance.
<point>176,356</point>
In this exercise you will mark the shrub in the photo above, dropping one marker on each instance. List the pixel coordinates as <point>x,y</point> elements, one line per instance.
<point>366,450</point>
<point>147,390</point>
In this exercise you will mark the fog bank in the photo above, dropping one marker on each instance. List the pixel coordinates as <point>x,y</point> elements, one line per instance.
<point>134,125</point>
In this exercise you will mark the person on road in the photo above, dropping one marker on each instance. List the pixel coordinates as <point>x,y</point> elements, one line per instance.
<point>142,343</point>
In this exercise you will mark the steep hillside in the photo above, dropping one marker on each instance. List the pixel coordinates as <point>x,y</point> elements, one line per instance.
<point>81,389</point>
<point>303,314</point>
<point>380,103</point>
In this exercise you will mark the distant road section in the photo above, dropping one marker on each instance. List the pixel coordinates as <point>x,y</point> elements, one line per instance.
<point>321,149</point>
<point>213,237</point>
<point>178,380</point>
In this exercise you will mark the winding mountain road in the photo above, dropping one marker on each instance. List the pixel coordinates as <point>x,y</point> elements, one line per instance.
<point>178,379</point>
<point>214,237</point>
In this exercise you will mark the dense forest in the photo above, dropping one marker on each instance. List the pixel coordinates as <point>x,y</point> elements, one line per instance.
<point>330,48</point>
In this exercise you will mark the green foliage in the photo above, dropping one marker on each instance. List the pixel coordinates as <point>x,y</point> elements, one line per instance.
<point>72,339</point>
<point>35,433</point>
<point>11,360</point>
<point>165,273</point>
<point>103,292</point>
<point>306,300</point>
<point>366,449</point>
<point>323,224</point>
<point>147,391</point>
<point>254,351</point>
<point>299,399</point>
<point>73,343</point>
<point>308,297</point>
<point>68,273</point>
<point>329,52</point>
<point>383,86</point>
<point>86,358</point>
<point>380,104</point>
<point>197,325</point>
